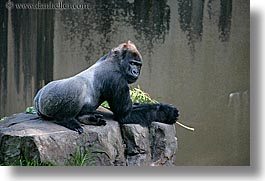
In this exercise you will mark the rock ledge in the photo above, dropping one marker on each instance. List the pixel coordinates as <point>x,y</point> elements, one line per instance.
<point>25,136</point>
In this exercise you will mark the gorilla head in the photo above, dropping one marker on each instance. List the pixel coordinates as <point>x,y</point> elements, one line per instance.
<point>130,60</point>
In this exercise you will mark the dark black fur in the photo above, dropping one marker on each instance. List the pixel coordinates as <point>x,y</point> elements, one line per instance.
<point>75,99</point>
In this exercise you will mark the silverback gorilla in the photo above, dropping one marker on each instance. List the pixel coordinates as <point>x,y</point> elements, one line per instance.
<point>72,100</point>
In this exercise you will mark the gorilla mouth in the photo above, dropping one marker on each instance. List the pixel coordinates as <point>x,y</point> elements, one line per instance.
<point>176,113</point>
<point>132,79</point>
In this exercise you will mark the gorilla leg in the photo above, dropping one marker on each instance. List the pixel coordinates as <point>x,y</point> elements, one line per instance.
<point>88,116</point>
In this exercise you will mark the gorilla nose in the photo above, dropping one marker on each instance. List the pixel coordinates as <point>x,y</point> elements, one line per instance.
<point>176,113</point>
<point>135,72</point>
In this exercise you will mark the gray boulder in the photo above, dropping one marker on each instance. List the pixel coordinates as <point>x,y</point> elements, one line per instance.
<point>164,144</point>
<point>136,139</point>
<point>26,137</point>
<point>156,146</point>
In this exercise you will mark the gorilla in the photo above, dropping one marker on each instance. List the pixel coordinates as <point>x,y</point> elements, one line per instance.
<point>74,100</point>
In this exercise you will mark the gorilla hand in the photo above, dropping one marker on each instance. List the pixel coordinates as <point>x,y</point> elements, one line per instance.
<point>92,119</point>
<point>167,114</point>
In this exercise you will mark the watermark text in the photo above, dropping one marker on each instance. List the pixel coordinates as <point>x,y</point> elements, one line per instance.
<point>49,5</point>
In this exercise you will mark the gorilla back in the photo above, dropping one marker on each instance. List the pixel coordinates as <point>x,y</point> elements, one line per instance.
<point>73,100</point>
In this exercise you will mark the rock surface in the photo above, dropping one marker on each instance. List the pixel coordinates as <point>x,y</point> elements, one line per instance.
<point>136,139</point>
<point>24,136</point>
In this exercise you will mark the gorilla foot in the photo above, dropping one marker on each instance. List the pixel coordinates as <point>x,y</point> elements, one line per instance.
<point>71,124</point>
<point>92,119</point>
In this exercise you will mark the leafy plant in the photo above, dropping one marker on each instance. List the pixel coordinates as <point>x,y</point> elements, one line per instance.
<point>30,110</point>
<point>81,157</point>
<point>105,104</point>
<point>137,96</point>
<point>33,163</point>
<point>3,118</point>
<point>22,161</point>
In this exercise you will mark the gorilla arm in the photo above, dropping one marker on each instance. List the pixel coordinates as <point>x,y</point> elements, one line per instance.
<point>143,114</point>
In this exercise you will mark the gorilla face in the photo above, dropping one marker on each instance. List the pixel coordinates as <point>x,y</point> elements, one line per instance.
<point>131,62</point>
<point>133,70</point>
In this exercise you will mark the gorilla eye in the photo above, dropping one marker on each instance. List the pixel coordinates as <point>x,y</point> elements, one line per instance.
<point>134,54</point>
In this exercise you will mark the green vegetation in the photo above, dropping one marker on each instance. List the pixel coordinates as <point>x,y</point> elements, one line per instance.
<point>30,110</point>
<point>33,163</point>
<point>3,118</point>
<point>27,162</point>
<point>137,96</point>
<point>81,157</point>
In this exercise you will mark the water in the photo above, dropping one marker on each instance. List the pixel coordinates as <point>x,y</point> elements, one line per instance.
<point>195,53</point>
